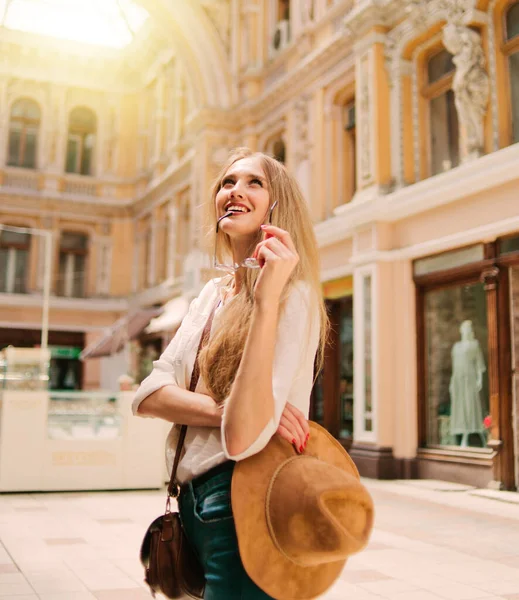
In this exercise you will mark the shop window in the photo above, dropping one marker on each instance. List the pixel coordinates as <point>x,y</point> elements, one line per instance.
<point>511,51</point>
<point>332,395</point>
<point>449,260</point>
<point>72,265</point>
<point>509,245</point>
<point>443,117</point>
<point>367,352</point>
<point>349,150</point>
<point>23,134</point>
<point>456,360</point>
<point>81,141</point>
<point>14,261</point>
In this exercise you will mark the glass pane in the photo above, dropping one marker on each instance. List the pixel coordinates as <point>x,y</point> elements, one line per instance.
<point>318,400</point>
<point>3,269</point>
<point>79,276</point>
<point>62,272</point>
<point>368,423</point>
<point>439,65</point>
<point>512,21</point>
<point>509,245</point>
<point>73,241</point>
<point>444,133</point>
<point>456,357</point>
<point>15,137</point>
<point>449,260</point>
<point>279,151</point>
<point>513,65</point>
<point>346,369</point>
<point>72,155</point>
<point>29,155</point>
<point>86,158</point>
<point>26,109</point>
<point>13,238</point>
<point>21,271</point>
<point>83,119</point>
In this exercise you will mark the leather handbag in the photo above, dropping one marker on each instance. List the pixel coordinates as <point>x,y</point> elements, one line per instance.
<point>171,567</point>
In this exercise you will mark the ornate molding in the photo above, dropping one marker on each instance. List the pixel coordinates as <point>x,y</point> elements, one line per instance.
<point>219,12</point>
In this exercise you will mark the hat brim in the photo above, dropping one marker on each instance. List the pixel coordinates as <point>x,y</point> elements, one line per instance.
<point>274,573</point>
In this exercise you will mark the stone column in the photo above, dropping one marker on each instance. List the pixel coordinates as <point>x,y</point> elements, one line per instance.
<point>4,120</point>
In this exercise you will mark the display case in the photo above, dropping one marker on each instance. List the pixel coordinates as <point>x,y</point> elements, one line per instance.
<point>24,369</point>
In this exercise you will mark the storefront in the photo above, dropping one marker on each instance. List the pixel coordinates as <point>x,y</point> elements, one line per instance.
<point>332,396</point>
<point>468,364</point>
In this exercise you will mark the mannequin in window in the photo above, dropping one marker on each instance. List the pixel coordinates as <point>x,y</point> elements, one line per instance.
<point>465,386</point>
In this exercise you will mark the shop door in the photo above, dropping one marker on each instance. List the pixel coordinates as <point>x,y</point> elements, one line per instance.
<point>514,319</point>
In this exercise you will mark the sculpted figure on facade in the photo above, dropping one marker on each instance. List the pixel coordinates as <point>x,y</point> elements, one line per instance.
<point>470,84</point>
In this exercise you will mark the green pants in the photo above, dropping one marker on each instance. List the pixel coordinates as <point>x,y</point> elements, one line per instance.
<point>206,514</point>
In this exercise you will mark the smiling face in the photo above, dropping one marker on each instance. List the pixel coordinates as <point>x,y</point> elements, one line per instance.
<point>244,191</point>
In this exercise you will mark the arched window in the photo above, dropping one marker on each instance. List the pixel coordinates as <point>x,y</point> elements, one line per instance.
<point>23,133</point>
<point>81,141</point>
<point>279,150</point>
<point>511,51</point>
<point>73,249</point>
<point>349,141</point>
<point>14,261</point>
<point>443,117</point>
<point>283,10</point>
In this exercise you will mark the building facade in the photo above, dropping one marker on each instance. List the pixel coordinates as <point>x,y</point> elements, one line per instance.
<point>400,120</point>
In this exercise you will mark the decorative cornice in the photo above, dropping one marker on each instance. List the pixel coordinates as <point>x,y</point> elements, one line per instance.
<point>59,303</point>
<point>478,176</point>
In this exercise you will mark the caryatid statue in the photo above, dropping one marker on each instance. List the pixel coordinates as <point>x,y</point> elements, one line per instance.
<point>470,84</point>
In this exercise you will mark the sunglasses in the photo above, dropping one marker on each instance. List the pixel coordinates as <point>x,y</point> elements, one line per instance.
<point>248,263</point>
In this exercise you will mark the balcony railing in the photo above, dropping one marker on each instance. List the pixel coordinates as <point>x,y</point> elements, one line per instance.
<point>21,179</point>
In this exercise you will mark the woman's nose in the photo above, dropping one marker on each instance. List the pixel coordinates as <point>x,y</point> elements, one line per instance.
<point>237,190</point>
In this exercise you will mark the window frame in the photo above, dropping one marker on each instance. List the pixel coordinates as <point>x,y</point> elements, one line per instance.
<point>24,125</point>
<point>14,248</point>
<point>493,272</point>
<point>508,47</point>
<point>62,289</point>
<point>429,92</point>
<point>79,135</point>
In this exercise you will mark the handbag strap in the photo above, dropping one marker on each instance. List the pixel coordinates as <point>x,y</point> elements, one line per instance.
<point>173,489</point>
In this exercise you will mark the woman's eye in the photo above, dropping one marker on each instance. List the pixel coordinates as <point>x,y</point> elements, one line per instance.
<point>257,181</point>
<point>227,182</point>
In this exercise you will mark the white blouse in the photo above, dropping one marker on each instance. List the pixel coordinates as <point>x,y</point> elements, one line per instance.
<point>292,379</point>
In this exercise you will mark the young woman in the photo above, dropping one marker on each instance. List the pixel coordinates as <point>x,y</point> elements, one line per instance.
<point>257,369</point>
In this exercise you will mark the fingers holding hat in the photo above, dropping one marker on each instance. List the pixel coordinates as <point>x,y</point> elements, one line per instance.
<point>294,427</point>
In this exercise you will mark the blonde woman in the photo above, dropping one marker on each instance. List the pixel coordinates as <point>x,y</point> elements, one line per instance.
<point>256,371</point>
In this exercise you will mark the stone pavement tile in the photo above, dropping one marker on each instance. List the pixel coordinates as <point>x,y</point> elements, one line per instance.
<point>63,541</point>
<point>497,586</point>
<point>24,597</point>
<point>511,597</point>
<point>122,595</point>
<point>108,578</point>
<point>342,591</point>
<point>10,568</point>
<point>66,596</point>
<point>12,578</point>
<point>413,595</point>
<point>388,586</point>
<point>458,591</point>
<point>362,576</point>
<point>14,589</point>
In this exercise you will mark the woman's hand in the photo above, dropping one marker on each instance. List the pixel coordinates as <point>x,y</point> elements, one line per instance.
<point>294,427</point>
<point>277,257</point>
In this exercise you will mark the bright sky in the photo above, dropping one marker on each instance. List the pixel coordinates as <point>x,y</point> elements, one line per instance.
<point>100,22</point>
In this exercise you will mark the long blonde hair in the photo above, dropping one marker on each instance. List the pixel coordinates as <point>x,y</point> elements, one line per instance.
<point>220,359</point>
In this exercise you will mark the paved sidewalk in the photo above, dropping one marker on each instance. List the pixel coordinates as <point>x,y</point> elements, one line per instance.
<point>432,541</point>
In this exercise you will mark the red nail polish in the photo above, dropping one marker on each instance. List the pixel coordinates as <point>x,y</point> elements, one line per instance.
<point>301,448</point>
<point>294,441</point>
<point>307,437</point>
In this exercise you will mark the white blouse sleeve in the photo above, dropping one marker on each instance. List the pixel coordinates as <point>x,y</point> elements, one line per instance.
<point>293,367</point>
<point>163,372</point>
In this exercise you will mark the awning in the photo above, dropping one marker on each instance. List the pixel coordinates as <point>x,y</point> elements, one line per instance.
<point>125,329</point>
<point>174,311</point>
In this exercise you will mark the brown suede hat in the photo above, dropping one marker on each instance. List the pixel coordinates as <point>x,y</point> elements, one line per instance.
<point>299,517</point>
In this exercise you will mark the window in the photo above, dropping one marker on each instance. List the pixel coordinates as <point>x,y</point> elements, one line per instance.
<point>332,395</point>
<point>511,51</point>
<point>443,117</point>
<point>279,150</point>
<point>72,265</point>
<point>349,150</point>
<point>14,261</point>
<point>23,134</point>
<point>456,360</point>
<point>283,10</point>
<point>81,141</point>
